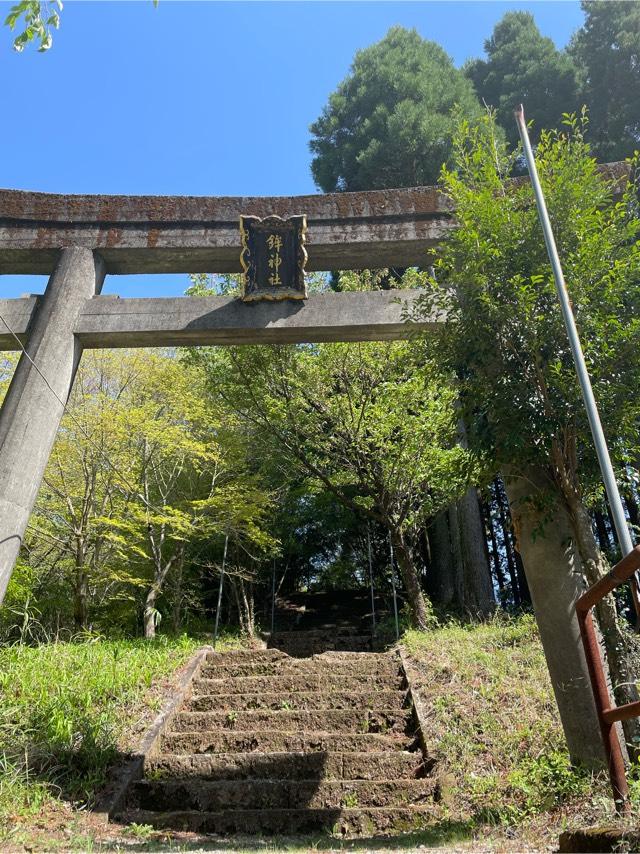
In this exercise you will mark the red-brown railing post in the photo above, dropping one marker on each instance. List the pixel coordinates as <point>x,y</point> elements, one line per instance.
<point>608,713</point>
<point>610,740</point>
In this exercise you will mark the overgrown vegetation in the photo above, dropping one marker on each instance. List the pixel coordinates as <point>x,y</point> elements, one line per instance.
<point>494,726</point>
<point>68,711</point>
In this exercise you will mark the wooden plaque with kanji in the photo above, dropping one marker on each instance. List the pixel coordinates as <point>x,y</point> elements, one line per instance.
<point>273,257</point>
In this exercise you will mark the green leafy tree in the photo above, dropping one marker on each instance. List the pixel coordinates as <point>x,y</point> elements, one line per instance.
<point>372,424</point>
<point>71,535</point>
<point>523,66</point>
<point>144,470</point>
<point>191,477</point>
<point>505,339</point>
<point>607,52</point>
<point>389,123</point>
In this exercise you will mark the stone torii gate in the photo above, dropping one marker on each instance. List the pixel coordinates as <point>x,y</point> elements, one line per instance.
<point>78,240</point>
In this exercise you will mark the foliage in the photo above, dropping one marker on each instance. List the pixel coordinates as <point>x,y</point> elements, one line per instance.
<point>37,20</point>
<point>145,469</point>
<point>505,336</point>
<point>64,711</point>
<point>374,425</point>
<point>389,123</point>
<point>522,66</point>
<point>607,52</point>
<point>500,745</point>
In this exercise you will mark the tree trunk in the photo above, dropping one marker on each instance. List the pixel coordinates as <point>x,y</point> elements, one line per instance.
<point>150,613</point>
<point>477,590</point>
<point>440,577</point>
<point>81,589</point>
<point>455,544</point>
<point>415,596</point>
<point>508,546</point>
<point>523,587</point>
<point>247,605</point>
<point>495,554</point>
<point>603,534</point>
<point>160,575</point>
<point>554,574</point>
<point>80,599</point>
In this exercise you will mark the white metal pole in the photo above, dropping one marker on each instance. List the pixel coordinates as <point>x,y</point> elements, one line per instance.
<point>608,476</point>
<point>273,597</point>
<point>393,587</point>
<point>373,601</point>
<point>224,560</point>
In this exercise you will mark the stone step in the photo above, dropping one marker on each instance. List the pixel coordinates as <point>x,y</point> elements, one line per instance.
<point>383,764</point>
<point>308,651</point>
<point>332,720</point>
<point>330,641</point>
<point>212,796</point>
<point>245,655</point>
<point>288,700</point>
<point>270,741</point>
<point>317,666</point>
<point>305,682</point>
<point>371,821</point>
<point>330,630</point>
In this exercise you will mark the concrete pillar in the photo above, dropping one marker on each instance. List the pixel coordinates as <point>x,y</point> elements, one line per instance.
<point>31,412</point>
<point>544,538</point>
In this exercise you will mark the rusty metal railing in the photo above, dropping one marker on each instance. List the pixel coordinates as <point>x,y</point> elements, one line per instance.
<point>608,713</point>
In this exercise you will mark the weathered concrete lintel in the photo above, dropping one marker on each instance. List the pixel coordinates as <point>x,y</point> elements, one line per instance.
<point>174,234</point>
<point>193,321</point>
<point>198,234</point>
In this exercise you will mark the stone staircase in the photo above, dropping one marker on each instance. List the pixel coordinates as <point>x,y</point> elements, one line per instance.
<point>267,743</point>
<point>316,641</point>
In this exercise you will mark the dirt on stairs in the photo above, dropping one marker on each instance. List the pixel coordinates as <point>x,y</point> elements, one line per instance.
<point>268,743</point>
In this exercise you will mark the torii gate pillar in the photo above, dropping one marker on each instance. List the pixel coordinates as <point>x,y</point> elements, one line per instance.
<point>30,416</point>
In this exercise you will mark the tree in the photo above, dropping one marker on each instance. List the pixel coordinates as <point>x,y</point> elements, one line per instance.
<point>373,424</point>
<point>84,491</point>
<point>145,473</point>
<point>505,339</point>
<point>37,20</point>
<point>389,123</point>
<point>190,473</point>
<point>523,66</point>
<point>607,52</point>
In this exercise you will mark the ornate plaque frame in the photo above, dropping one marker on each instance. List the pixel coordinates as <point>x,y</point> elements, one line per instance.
<point>273,257</point>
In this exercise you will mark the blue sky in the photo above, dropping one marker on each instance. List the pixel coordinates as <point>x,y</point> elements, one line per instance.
<point>201,98</point>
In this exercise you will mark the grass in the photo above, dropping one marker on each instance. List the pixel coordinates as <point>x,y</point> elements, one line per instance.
<point>494,727</point>
<point>67,710</point>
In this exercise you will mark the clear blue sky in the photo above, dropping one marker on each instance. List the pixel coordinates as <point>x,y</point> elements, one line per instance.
<point>199,97</point>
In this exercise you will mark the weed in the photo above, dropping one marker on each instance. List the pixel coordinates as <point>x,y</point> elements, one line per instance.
<point>350,800</point>
<point>494,720</point>
<point>231,718</point>
<point>141,831</point>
